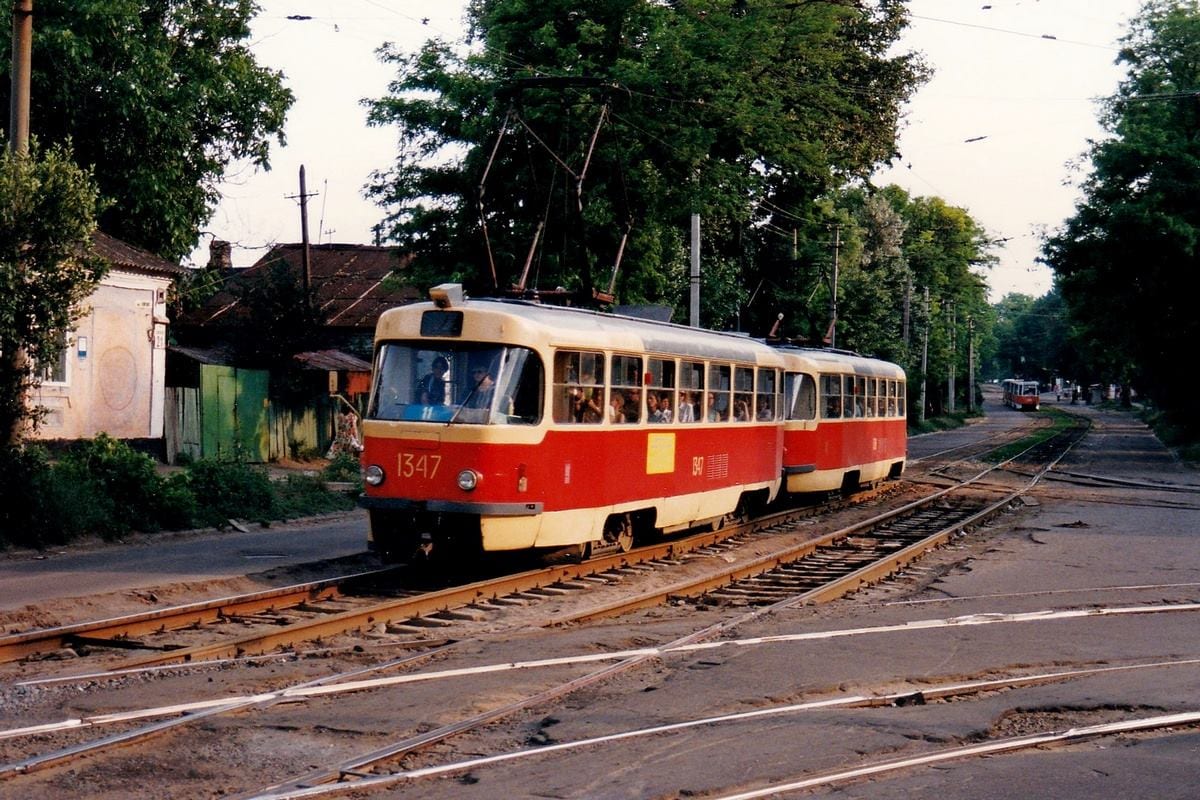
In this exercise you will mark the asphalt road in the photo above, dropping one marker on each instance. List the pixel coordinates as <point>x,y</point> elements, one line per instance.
<point>1048,588</point>
<point>29,578</point>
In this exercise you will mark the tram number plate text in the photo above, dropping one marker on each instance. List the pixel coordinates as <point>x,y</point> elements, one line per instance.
<point>419,465</point>
<point>697,466</point>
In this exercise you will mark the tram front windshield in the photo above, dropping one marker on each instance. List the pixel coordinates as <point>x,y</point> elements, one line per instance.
<point>457,383</point>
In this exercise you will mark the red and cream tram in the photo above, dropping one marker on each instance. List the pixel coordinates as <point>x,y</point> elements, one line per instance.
<point>1021,395</point>
<point>845,423</point>
<point>508,425</point>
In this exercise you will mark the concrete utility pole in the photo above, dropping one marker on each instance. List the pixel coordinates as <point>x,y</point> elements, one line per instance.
<point>837,249</point>
<point>694,305</point>
<point>924,360</point>
<point>22,59</point>
<point>970,364</point>
<point>953,357</point>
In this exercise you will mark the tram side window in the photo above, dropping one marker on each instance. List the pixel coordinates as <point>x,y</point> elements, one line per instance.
<point>691,391</point>
<point>768,405</point>
<point>872,394</point>
<point>831,392</point>
<point>900,398</point>
<point>716,404</point>
<point>660,390</point>
<point>891,398</point>
<point>743,394</point>
<point>520,388</point>
<point>578,387</point>
<point>626,394</point>
<point>860,394</point>
<point>800,395</point>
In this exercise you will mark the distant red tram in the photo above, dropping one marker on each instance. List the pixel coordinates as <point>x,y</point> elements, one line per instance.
<point>507,425</point>
<point>1021,395</point>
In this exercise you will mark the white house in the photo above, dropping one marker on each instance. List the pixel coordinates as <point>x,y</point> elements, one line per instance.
<point>110,378</point>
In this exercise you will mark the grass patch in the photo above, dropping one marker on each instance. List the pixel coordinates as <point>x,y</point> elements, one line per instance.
<point>1060,421</point>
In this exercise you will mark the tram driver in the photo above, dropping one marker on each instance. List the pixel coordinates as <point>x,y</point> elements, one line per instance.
<point>431,389</point>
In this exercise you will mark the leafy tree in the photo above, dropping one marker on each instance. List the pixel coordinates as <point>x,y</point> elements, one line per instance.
<point>159,98</point>
<point>47,214</point>
<point>578,132</point>
<point>281,320</point>
<point>1127,261</point>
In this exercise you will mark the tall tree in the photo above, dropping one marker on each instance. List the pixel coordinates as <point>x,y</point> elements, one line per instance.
<point>47,216</point>
<point>1128,261</point>
<point>158,99</point>
<point>575,132</point>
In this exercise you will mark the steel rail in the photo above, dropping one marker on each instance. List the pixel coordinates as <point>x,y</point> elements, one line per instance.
<point>391,611</point>
<point>21,645</point>
<point>355,767</point>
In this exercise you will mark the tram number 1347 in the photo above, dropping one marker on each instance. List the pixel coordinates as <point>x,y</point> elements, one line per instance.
<point>422,465</point>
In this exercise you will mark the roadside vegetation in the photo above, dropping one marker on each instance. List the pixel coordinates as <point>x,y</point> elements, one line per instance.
<point>1060,421</point>
<point>105,488</point>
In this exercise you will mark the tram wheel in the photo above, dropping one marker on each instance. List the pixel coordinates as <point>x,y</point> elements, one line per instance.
<point>619,531</point>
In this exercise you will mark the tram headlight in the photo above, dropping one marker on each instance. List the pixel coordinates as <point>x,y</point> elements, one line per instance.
<point>468,479</point>
<point>373,475</point>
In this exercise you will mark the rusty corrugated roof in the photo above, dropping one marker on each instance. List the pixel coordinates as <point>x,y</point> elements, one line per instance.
<point>331,360</point>
<point>125,256</point>
<point>347,282</point>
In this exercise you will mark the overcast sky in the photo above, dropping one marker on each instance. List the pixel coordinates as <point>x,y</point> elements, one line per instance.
<point>992,132</point>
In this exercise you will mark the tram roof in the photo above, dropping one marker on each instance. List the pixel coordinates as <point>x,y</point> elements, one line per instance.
<point>577,327</point>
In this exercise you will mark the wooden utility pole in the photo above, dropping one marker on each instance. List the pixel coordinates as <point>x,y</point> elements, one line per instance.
<point>304,255</point>
<point>22,59</point>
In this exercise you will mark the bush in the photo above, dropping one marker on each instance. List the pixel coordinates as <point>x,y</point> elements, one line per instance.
<point>231,489</point>
<point>126,480</point>
<point>345,467</point>
<point>19,469</point>
<point>105,488</point>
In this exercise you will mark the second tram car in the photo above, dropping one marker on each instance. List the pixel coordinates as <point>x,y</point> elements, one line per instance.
<point>846,424</point>
<point>1021,395</point>
<point>507,425</point>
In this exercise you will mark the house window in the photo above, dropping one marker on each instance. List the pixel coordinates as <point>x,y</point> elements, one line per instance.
<point>56,370</point>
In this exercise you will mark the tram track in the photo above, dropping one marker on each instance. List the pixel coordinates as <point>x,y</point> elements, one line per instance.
<point>831,564</point>
<point>1046,451</point>
<point>288,616</point>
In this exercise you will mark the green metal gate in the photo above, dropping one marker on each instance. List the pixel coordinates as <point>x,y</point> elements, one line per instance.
<point>234,413</point>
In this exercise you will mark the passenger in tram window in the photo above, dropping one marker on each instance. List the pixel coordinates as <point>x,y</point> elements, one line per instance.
<point>686,412</point>
<point>576,404</point>
<point>633,406</point>
<point>664,407</point>
<point>765,413</point>
<point>483,388</point>
<point>616,407</point>
<point>714,414</point>
<point>431,390</point>
<point>741,411</point>
<point>833,407</point>
<point>652,414</point>
<point>592,411</point>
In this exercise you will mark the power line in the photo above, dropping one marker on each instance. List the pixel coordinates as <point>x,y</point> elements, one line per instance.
<point>1044,36</point>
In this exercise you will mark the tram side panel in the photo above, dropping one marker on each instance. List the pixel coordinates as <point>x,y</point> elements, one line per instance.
<point>558,486</point>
